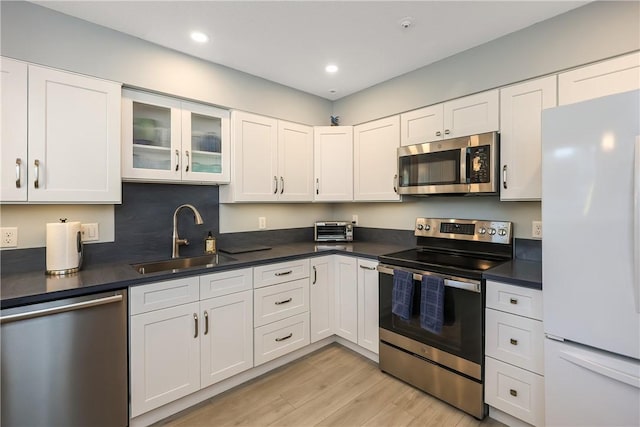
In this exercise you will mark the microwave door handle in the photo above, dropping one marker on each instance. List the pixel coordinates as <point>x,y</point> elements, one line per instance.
<point>464,166</point>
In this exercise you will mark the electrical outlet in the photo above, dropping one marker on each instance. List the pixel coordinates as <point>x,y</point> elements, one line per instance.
<point>354,219</point>
<point>9,237</point>
<point>262,222</point>
<point>89,232</point>
<point>536,229</point>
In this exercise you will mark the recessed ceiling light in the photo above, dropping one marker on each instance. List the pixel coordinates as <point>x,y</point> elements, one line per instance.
<point>331,68</point>
<point>199,37</point>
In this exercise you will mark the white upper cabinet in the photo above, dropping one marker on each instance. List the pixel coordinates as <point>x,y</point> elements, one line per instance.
<point>71,152</point>
<point>166,139</point>
<point>460,117</point>
<point>333,163</point>
<point>272,159</point>
<point>13,148</point>
<point>604,78</point>
<point>375,168</point>
<point>521,108</point>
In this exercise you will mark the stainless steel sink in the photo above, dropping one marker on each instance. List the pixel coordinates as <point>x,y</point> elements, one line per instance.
<point>179,264</point>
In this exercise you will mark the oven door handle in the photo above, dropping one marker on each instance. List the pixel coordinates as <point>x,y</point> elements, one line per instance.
<point>472,286</point>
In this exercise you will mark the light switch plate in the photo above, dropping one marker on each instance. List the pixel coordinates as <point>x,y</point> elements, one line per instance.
<point>90,232</point>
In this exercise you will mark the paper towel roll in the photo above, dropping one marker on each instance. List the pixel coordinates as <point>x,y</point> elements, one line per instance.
<point>64,250</point>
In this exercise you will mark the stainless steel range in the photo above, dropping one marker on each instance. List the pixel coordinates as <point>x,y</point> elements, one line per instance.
<point>447,363</point>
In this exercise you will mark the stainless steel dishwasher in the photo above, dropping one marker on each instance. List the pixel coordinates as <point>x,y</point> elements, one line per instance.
<point>64,363</point>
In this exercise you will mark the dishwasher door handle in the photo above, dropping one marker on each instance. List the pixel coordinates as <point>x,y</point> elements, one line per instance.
<point>61,309</point>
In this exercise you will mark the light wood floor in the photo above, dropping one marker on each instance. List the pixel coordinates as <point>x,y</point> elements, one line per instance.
<point>331,387</point>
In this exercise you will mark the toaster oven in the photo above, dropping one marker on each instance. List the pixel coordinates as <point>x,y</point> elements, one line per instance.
<point>333,231</point>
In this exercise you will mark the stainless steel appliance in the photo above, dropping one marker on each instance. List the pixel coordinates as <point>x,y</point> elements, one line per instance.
<point>465,165</point>
<point>449,364</point>
<point>64,363</point>
<point>333,231</point>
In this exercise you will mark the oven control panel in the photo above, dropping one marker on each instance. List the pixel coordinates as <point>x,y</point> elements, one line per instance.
<point>465,229</point>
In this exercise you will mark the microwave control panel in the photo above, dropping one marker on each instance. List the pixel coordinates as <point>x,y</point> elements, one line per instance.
<point>478,164</point>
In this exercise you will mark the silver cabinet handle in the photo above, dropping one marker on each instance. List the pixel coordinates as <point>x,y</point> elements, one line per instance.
<point>395,183</point>
<point>513,341</point>
<point>195,321</point>
<point>177,160</point>
<point>513,392</point>
<point>284,338</point>
<point>447,131</point>
<point>186,169</point>
<point>61,309</point>
<point>36,182</point>
<point>206,322</point>
<point>315,275</point>
<point>275,184</point>
<point>284,302</point>
<point>367,268</point>
<point>18,163</point>
<point>284,273</point>
<point>317,185</point>
<point>438,133</point>
<point>281,185</point>
<point>504,177</point>
<point>513,301</point>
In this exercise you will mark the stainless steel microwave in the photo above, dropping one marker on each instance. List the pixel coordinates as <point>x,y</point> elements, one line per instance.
<point>465,165</point>
<point>333,231</point>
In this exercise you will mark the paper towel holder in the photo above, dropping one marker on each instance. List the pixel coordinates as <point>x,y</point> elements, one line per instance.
<point>66,253</point>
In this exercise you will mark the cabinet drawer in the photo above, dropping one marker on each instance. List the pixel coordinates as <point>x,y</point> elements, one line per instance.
<point>225,283</point>
<point>163,294</point>
<point>278,302</point>
<point>282,337</point>
<point>514,299</point>
<point>271,274</point>
<point>515,391</point>
<point>515,339</point>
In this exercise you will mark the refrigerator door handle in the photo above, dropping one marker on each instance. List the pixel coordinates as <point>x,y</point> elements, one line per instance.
<point>636,225</point>
<point>601,369</point>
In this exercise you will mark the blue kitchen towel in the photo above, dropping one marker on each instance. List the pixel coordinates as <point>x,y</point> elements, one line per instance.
<point>432,304</point>
<point>402,295</point>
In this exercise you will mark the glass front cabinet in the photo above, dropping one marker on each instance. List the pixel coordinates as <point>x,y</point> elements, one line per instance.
<point>167,139</point>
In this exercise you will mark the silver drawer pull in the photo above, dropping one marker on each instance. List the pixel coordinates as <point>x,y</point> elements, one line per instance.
<point>206,322</point>
<point>284,338</point>
<point>284,273</point>
<point>284,302</point>
<point>367,268</point>
<point>513,341</point>
<point>513,301</point>
<point>186,169</point>
<point>315,275</point>
<point>513,393</point>
<point>281,185</point>
<point>18,163</point>
<point>195,319</point>
<point>36,165</point>
<point>177,160</point>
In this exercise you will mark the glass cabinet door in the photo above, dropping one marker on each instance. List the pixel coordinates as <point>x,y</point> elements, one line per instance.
<point>151,137</point>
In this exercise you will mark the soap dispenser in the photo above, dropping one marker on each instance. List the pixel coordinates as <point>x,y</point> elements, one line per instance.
<point>210,244</point>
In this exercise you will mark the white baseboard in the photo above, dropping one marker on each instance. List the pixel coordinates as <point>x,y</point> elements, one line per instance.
<point>507,419</point>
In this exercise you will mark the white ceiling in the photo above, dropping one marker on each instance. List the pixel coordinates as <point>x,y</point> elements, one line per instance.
<point>290,42</point>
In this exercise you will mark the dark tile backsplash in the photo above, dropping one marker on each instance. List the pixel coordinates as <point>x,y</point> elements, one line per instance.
<point>528,250</point>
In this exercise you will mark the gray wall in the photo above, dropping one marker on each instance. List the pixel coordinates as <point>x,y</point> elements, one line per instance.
<point>36,34</point>
<point>590,33</point>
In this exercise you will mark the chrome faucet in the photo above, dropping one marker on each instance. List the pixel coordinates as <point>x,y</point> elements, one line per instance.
<point>177,241</point>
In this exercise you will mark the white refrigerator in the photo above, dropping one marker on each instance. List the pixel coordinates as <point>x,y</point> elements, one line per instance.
<point>591,261</point>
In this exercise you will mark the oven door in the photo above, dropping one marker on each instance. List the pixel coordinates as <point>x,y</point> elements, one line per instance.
<point>462,332</point>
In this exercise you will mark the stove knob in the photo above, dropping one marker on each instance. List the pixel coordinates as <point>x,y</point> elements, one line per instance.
<point>502,232</point>
<point>427,227</point>
<point>482,230</point>
<point>420,226</point>
<point>492,231</point>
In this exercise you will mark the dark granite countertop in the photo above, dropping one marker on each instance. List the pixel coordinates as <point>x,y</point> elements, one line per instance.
<point>34,287</point>
<point>517,272</point>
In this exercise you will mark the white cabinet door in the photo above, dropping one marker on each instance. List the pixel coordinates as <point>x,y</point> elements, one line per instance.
<point>375,169</point>
<point>74,138</point>
<point>13,124</point>
<point>255,153</point>
<point>604,78</point>
<point>368,305</point>
<point>471,115</point>
<point>423,125</point>
<point>227,336</point>
<point>322,300</point>
<point>295,162</point>
<point>520,137</point>
<point>346,298</point>
<point>333,163</point>
<point>165,356</point>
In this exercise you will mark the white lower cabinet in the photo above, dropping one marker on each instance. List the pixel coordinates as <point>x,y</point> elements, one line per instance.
<point>368,304</point>
<point>321,298</point>
<point>180,344</point>
<point>514,362</point>
<point>281,312</point>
